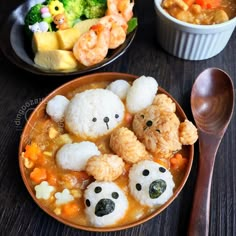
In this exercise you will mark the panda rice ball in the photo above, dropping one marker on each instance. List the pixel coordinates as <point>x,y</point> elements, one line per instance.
<point>105,203</point>
<point>150,183</point>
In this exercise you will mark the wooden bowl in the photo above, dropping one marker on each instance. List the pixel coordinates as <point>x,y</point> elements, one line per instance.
<point>63,90</point>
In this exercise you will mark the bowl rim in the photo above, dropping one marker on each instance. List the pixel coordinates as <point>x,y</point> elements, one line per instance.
<point>102,76</point>
<point>161,11</point>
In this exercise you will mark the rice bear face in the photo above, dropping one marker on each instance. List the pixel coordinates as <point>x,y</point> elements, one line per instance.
<point>105,203</point>
<point>93,113</point>
<point>150,183</point>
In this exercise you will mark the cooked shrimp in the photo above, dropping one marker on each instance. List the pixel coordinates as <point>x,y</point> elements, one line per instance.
<point>123,7</point>
<point>126,8</point>
<point>106,167</point>
<point>118,28</point>
<point>92,46</point>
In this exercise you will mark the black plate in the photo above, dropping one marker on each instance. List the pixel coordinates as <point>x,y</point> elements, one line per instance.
<point>17,48</point>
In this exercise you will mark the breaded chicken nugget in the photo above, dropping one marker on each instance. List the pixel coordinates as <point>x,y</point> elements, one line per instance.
<point>188,133</point>
<point>125,144</point>
<point>106,167</point>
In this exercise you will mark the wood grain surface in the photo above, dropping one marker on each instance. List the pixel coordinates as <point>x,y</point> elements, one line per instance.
<point>21,91</point>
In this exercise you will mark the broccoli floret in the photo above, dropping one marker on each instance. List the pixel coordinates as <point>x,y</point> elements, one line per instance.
<point>95,8</point>
<point>33,16</point>
<point>74,10</point>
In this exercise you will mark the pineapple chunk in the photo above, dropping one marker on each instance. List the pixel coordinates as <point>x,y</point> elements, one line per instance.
<point>44,41</point>
<point>56,60</point>
<point>67,38</point>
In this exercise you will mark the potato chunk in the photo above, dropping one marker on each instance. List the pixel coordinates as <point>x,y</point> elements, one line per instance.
<point>56,60</point>
<point>67,38</point>
<point>220,16</point>
<point>44,41</point>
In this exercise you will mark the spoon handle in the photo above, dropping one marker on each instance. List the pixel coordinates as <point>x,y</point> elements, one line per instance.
<point>199,219</point>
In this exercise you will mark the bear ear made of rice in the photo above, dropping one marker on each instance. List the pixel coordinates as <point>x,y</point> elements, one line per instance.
<point>105,203</point>
<point>150,183</point>
<point>93,113</point>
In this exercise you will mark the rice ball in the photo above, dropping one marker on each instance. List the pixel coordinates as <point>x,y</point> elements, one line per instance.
<point>74,156</point>
<point>93,113</point>
<point>119,87</point>
<point>105,203</point>
<point>56,107</point>
<point>141,94</point>
<point>150,183</point>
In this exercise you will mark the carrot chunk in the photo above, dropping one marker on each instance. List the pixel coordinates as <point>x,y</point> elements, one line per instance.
<point>178,161</point>
<point>32,151</point>
<point>38,175</point>
<point>70,209</point>
<point>208,4</point>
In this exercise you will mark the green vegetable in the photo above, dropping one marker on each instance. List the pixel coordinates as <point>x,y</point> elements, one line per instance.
<point>33,16</point>
<point>74,10</point>
<point>95,8</point>
<point>132,24</point>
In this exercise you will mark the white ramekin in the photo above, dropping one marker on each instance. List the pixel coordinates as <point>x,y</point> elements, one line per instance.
<point>189,41</point>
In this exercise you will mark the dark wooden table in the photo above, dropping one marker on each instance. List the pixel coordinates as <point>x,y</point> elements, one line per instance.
<point>19,215</point>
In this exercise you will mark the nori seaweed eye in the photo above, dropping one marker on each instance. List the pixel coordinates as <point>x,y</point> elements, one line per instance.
<point>94,119</point>
<point>87,202</point>
<point>162,169</point>
<point>115,195</point>
<point>98,189</point>
<point>145,172</point>
<point>104,207</point>
<point>138,187</point>
<point>106,119</point>
<point>149,123</point>
<point>142,116</point>
<point>116,116</point>
<point>156,188</point>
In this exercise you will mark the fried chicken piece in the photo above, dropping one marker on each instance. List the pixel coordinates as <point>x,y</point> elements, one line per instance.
<point>188,133</point>
<point>106,167</point>
<point>125,144</point>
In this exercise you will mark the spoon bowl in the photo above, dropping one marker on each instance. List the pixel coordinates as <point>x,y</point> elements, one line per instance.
<point>212,104</point>
<point>212,101</point>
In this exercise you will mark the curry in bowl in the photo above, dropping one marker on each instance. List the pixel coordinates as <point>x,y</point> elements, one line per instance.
<point>201,12</point>
<point>106,151</point>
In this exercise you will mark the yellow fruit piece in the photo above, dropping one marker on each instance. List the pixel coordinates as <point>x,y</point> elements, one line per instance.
<point>84,26</point>
<point>67,38</point>
<point>44,41</point>
<point>56,60</point>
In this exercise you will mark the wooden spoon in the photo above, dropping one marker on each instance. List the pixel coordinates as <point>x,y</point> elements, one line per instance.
<point>212,104</point>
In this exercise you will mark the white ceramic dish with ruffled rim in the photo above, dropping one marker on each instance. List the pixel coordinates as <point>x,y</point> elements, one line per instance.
<point>189,41</point>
